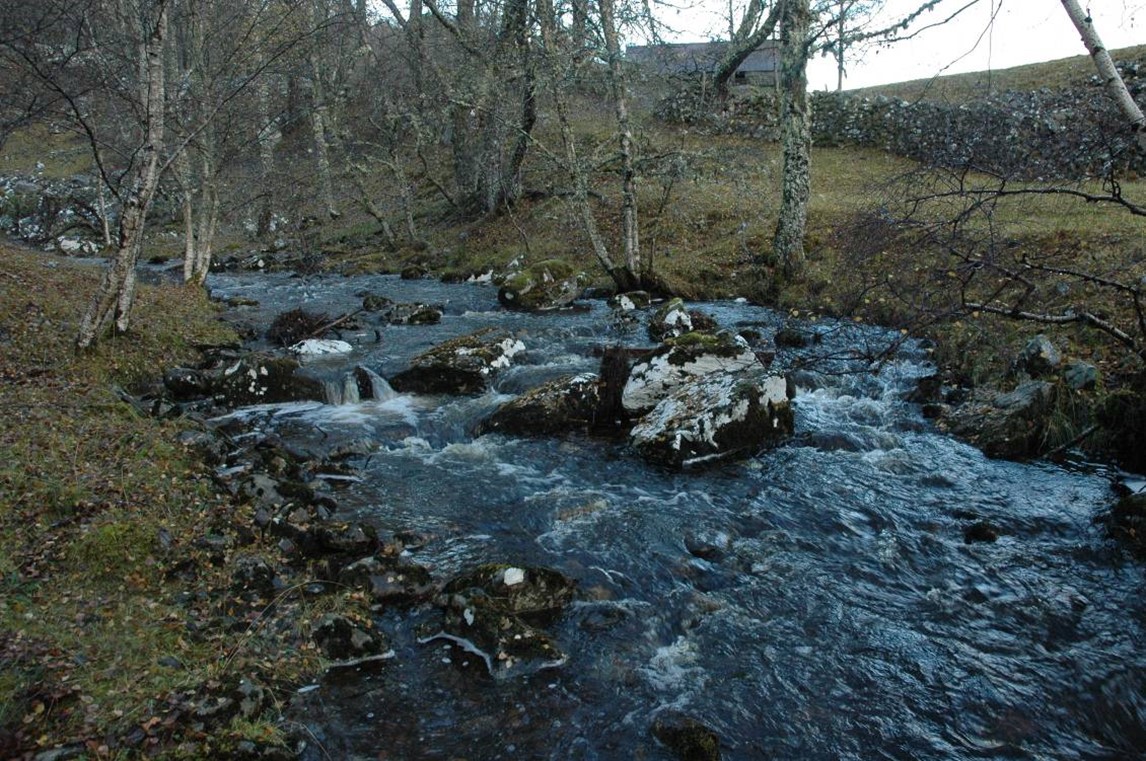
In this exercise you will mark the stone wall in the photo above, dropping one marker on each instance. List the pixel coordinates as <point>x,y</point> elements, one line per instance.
<point>1045,134</point>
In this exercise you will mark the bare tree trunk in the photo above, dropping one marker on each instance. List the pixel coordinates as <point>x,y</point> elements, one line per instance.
<point>116,294</point>
<point>318,124</point>
<point>623,277</point>
<point>266,141</point>
<point>182,166</point>
<point>1107,70</point>
<point>630,229</point>
<point>842,47</point>
<point>796,138</point>
<point>208,212</point>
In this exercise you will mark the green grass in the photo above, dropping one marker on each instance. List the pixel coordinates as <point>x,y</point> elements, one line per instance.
<point>97,504</point>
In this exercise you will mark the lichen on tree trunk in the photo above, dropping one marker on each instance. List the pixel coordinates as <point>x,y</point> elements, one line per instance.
<point>796,136</point>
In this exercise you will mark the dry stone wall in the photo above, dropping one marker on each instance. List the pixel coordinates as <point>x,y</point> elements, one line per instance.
<point>1045,134</point>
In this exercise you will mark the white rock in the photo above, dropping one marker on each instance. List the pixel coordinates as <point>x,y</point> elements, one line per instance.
<point>313,347</point>
<point>513,576</point>
<point>651,380</point>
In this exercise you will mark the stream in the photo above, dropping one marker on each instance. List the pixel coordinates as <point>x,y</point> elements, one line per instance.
<point>817,601</point>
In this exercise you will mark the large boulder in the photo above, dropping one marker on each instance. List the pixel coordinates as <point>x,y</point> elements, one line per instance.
<point>564,404</point>
<point>1010,425</point>
<point>342,638</point>
<point>264,380</point>
<point>683,359</point>
<point>714,418</point>
<point>463,365</point>
<point>551,284</point>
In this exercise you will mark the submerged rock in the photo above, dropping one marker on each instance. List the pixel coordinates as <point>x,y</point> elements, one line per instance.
<point>463,365</point>
<point>496,611</point>
<point>715,418</point>
<point>564,404</point>
<point>687,738</point>
<point>683,359</point>
<point>401,314</point>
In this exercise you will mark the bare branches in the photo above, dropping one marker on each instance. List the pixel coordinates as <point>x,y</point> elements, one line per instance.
<point>1065,318</point>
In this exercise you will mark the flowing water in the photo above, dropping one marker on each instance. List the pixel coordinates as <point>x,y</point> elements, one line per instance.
<point>818,601</point>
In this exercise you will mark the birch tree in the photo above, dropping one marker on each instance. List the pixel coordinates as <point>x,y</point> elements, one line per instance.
<point>115,297</point>
<point>1107,71</point>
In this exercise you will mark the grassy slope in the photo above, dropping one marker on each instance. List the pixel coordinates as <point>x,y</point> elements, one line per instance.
<point>112,616</point>
<point>960,88</point>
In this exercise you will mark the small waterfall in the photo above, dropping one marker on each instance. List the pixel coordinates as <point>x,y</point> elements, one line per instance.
<point>379,388</point>
<point>342,390</point>
<point>356,386</point>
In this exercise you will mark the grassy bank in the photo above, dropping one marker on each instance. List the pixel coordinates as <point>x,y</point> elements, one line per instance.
<point>114,546</point>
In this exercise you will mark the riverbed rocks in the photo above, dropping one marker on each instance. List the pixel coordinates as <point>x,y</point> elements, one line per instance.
<point>714,418</point>
<point>1010,425</point>
<point>464,365</point>
<point>563,404</point>
<point>544,286</point>
<point>497,612</point>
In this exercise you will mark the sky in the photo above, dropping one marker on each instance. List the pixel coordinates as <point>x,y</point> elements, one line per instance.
<point>1024,31</point>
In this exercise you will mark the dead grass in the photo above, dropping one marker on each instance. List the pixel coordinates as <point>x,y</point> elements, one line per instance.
<point>960,88</point>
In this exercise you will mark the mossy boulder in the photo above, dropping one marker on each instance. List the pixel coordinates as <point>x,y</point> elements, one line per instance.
<point>547,285</point>
<point>670,319</point>
<point>463,365</point>
<point>390,579</point>
<point>1127,523</point>
<point>564,404</point>
<point>263,379</point>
